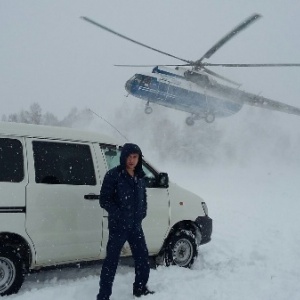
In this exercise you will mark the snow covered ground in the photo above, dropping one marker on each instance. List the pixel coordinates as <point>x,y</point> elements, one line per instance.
<point>254,252</point>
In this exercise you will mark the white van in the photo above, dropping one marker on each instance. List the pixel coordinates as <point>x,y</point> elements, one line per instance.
<point>50,178</point>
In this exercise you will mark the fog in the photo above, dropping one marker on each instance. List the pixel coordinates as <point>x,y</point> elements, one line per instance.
<point>246,167</point>
<point>252,193</point>
<point>51,56</point>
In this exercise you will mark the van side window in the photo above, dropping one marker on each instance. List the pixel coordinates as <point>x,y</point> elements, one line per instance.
<point>11,160</point>
<point>63,163</point>
<point>112,156</point>
<point>150,177</point>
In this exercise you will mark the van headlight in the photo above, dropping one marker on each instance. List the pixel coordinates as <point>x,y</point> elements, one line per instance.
<point>205,209</point>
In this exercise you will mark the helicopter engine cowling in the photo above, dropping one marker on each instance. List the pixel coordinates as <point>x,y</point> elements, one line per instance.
<point>198,78</point>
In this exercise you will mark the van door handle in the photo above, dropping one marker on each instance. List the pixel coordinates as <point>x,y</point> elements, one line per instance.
<point>91,197</point>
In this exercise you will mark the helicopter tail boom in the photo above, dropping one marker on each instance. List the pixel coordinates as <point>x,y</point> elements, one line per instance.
<point>242,97</point>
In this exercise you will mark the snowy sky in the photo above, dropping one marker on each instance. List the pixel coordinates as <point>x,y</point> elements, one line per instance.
<point>51,56</point>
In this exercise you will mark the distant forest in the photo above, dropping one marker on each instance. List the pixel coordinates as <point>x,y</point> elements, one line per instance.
<point>253,135</point>
<point>34,115</point>
<point>158,132</point>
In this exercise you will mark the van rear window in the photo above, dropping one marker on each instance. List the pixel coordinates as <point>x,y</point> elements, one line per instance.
<point>11,160</point>
<point>63,163</point>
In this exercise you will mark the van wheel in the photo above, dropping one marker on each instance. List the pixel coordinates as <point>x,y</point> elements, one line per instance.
<point>11,271</point>
<point>181,249</point>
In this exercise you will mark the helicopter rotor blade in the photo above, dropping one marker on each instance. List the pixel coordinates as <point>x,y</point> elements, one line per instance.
<point>176,65</point>
<point>220,76</point>
<point>131,40</point>
<point>250,65</point>
<point>227,37</point>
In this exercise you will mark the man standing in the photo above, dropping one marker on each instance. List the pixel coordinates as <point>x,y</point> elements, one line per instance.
<point>123,196</point>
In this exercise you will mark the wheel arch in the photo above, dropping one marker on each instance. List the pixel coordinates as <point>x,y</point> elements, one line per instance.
<point>182,225</point>
<point>17,242</point>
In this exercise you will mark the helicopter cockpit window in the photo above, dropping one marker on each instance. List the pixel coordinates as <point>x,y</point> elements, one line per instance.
<point>137,78</point>
<point>146,81</point>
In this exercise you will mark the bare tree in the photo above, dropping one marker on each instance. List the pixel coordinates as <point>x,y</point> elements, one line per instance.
<point>35,113</point>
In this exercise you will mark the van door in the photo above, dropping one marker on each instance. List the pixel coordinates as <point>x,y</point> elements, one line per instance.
<point>63,225</point>
<point>157,221</point>
<point>13,181</point>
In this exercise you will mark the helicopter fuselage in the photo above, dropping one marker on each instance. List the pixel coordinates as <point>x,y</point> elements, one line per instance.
<point>170,88</point>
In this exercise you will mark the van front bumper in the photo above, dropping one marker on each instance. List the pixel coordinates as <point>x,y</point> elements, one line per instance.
<point>204,223</point>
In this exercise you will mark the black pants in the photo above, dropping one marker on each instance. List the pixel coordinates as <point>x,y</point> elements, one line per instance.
<point>136,240</point>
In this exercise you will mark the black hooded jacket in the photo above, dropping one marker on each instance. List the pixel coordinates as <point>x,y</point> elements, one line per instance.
<point>124,196</point>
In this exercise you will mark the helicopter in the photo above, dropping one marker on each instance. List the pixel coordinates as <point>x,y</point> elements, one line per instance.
<point>193,88</point>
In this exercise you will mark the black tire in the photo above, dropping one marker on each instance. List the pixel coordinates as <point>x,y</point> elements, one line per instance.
<point>181,249</point>
<point>11,271</point>
<point>190,121</point>
<point>148,110</point>
<point>209,118</point>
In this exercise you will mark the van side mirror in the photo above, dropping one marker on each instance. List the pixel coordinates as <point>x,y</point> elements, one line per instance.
<point>163,180</point>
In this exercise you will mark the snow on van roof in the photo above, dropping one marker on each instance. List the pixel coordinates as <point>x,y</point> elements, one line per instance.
<point>54,132</point>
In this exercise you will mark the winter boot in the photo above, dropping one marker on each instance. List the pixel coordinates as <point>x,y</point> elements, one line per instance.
<point>141,291</point>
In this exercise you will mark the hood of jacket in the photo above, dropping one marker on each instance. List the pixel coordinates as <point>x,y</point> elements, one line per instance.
<point>128,149</point>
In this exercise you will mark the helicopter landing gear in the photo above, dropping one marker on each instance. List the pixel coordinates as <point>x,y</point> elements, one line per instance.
<point>190,121</point>
<point>148,110</point>
<point>209,117</point>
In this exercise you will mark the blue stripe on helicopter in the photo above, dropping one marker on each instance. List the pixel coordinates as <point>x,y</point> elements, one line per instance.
<point>182,99</point>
